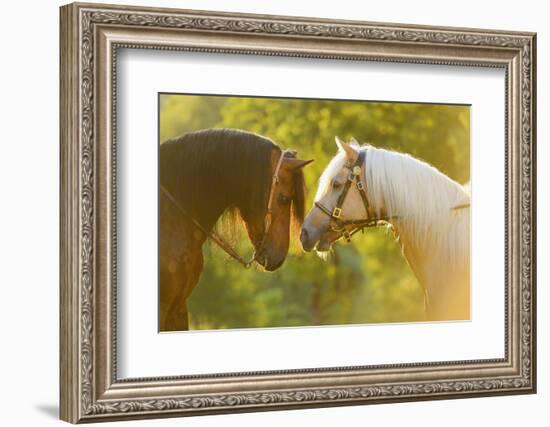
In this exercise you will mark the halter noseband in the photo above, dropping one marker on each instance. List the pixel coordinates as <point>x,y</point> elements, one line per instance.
<point>337,224</point>
<point>216,238</point>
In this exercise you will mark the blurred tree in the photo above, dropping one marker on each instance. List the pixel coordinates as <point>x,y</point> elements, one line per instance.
<point>179,117</point>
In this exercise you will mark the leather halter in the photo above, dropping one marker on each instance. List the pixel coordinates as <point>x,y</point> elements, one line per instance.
<point>337,224</point>
<point>222,243</point>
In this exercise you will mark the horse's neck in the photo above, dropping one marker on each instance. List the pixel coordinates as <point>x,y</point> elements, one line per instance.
<point>421,258</point>
<point>445,280</point>
<point>175,222</point>
<point>212,207</point>
<point>422,200</point>
<point>434,237</point>
<point>209,219</point>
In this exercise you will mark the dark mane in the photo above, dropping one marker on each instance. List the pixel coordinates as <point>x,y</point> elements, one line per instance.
<point>213,170</point>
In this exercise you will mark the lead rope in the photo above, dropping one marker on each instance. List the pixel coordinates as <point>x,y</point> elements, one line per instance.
<point>212,235</point>
<point>216,238</point>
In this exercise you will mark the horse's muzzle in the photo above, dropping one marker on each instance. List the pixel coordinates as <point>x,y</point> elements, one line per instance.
<point>308,243</point>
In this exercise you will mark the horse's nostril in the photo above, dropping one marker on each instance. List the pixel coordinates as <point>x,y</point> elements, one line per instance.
<point>304,235</point>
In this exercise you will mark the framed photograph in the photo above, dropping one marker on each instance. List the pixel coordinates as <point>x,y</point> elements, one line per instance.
<point>265,212</point>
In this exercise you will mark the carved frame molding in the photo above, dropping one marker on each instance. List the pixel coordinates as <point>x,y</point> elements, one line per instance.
<point>90,37</point>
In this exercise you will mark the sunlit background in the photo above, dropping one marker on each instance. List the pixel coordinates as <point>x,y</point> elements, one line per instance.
<point>367,281</point>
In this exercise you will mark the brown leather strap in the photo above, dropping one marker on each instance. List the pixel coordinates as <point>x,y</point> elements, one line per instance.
<point>217,239</point>
<point>274,181</point>
<point>359,183</point>
<point>336,222</point>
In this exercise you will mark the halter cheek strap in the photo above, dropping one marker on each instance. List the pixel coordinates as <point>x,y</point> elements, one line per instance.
<point>336,223</point>
<point>269,212</point>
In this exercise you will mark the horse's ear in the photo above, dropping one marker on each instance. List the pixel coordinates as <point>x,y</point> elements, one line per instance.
<point>354,143</point>
<point>351,153</point>
<point>339,143</point>
<point>295,164</point>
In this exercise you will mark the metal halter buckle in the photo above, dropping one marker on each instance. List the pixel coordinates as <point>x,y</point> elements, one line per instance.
<point>360,185</point>
<point>337,213</point>
<point>357,170</point>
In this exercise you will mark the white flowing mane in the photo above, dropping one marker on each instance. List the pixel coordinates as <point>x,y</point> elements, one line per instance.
<point>420,196</point>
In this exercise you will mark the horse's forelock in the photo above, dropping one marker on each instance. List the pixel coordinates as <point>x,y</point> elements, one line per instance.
<point>298,193</point>
<point>333,168</point>
<point>299,197</point>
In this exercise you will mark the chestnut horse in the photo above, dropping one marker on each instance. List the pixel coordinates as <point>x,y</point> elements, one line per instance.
<point>205,174</point>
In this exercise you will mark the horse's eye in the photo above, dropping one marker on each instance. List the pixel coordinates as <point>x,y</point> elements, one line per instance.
<point>336,185</point>
<point>283,200</point>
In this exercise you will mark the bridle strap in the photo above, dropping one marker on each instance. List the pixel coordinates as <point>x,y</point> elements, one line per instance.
<point>216,238</point>
<point>337,224</point>
<point>212,235</point>
<point>353,178</point>
<point>360,186</point>
<point>274,182</point>
<point>323,209</point>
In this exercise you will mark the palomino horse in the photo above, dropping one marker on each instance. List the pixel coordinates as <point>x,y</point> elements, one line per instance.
<point>205,174</point>
<point>428,212</point>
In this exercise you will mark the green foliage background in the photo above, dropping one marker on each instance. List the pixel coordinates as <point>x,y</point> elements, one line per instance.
<point>367,281</point>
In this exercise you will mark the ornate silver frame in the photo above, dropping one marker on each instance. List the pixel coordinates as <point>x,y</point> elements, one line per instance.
<point>90,36</point>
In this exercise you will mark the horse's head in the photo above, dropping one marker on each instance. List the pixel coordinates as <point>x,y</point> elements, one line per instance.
<point>323,224</point>
<point>269,229</point>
